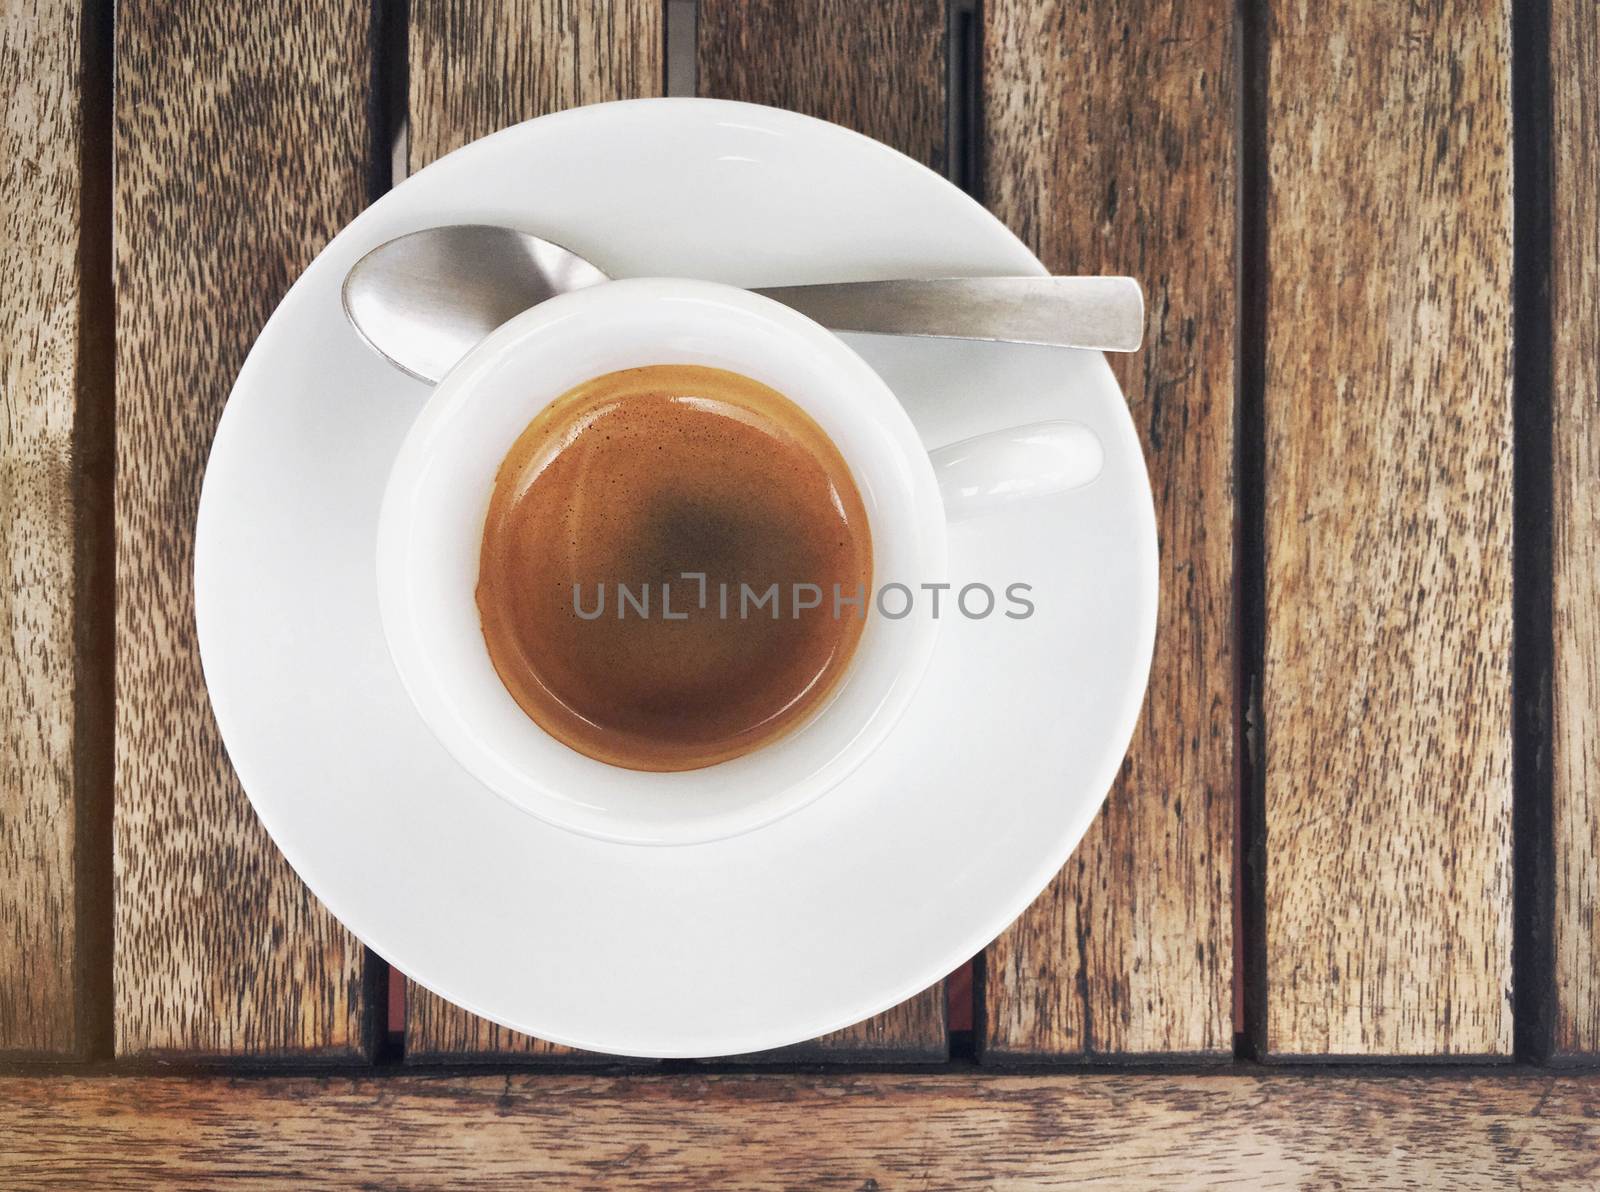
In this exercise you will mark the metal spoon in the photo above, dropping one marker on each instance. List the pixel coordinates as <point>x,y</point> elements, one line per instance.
<point>426,299</point>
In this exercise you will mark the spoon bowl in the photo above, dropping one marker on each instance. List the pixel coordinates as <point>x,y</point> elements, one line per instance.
<point>426,299</point>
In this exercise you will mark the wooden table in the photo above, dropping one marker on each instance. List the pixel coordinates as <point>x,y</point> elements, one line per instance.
<point>1339,922</point>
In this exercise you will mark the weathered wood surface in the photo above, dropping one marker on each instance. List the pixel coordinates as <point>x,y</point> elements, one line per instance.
<point>915,1031</point>
<point>1575,308</point>
<point>242,145</point>
<point>876,68</point>
<point>1387,684</point>
<point>882,1132</point>
<point>480,65</point>
<point>879,69</point>
<point>477,67</point>
<point>47,465</point>
<point>439,1031</point>
<point>1109,147</point>
<point>241,148</point>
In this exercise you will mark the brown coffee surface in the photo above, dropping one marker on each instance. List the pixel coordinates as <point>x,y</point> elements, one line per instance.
<point>613,493</point>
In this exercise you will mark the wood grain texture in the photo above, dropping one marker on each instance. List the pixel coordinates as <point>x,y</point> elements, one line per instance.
<point>876,68</point>
<point>477,66</point>
<point>860,1132</point>
<point>1575,302</point>
<point>241,148</point>
<point>1388,414</point>
<point>1109,148</point>
<point>915,1031</point>
<point>439,1031</point>
<point>41,146</point>
<point>880,70</point>
<point>480,65</point>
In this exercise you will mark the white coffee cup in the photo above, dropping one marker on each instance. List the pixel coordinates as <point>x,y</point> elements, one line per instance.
<point>431,531</point>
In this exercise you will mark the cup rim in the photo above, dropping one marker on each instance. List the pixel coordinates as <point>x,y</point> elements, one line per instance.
<point>442,672</point>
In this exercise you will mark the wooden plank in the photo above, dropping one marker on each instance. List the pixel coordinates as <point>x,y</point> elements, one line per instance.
<point>915,1031</point>
<point>49,465</point>
<point>480,65</point>
<point>1575,298</point>
<point>439,1031</point>
<point>1388,413</point>
<point>477,66</point>
<point>779,1132</point>
<point>1109,147</point>
<point>512,68</point>
<point>242,147</point>
<point>879,69</point>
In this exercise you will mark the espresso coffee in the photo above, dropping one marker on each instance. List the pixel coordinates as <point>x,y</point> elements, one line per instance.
<point>676,567</point>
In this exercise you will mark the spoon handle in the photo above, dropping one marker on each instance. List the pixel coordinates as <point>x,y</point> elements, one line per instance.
<point>1106,313</point>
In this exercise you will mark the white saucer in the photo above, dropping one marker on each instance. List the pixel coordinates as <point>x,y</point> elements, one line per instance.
<point>838,911</point>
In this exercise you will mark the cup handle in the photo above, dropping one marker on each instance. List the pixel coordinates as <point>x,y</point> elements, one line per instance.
<point>992,471</point>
